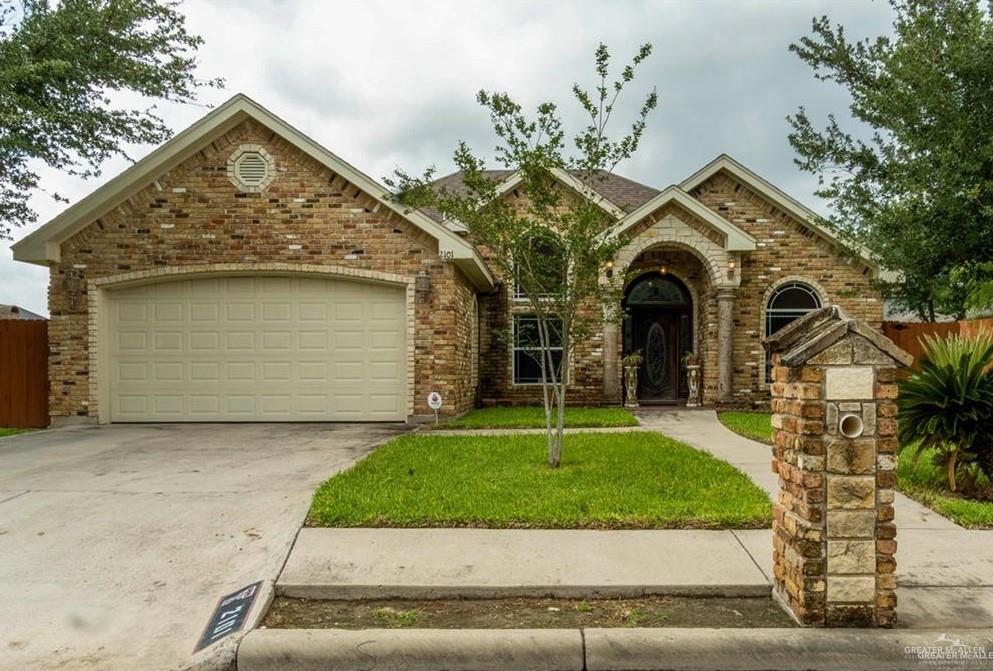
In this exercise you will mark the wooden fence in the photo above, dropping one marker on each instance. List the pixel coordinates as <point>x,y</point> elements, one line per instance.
<point>23,373</point>
<point>907,335</point>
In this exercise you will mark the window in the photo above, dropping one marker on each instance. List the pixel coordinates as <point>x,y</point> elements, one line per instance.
<point>527,348</point>
<point>551,274</point>
<point>658,291</point>
<point>788,303</point>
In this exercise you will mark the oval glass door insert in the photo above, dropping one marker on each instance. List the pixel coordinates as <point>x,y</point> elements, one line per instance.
<point>655,355</point>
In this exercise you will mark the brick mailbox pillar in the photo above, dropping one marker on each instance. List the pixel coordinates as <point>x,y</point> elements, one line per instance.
<point>834,420</point>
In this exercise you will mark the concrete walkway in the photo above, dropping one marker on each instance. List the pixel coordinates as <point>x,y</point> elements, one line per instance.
<point>945,571</point>
<point>702,430</point>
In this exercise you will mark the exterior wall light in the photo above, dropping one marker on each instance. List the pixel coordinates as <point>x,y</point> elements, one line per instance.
<point>422,284</point>
<point>731,266</point>
<point>610,269</point>
<point>663,270</point>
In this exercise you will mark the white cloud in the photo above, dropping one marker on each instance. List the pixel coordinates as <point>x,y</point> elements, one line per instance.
<point>388,84</point>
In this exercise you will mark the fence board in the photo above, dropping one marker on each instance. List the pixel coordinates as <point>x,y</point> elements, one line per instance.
<point>909,335</point>
<point>23,373</point>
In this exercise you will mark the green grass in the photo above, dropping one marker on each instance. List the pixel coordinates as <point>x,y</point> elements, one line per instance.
<point>532,417</point>
<point>926,483</point>
<point>629,480</point>
<point>11,432</point>
<point>754,425</point>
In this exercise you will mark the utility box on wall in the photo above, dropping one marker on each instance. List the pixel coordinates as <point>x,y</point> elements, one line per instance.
<point>834,448</point>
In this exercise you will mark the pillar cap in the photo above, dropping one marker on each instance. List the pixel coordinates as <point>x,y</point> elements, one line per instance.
<point>813,333</point>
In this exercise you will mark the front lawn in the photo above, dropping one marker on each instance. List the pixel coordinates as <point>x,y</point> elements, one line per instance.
<point>532,417</point>
<point>10,432</point>
<point>754,425</point>
<point>634,480</point>
<point>927,483</point>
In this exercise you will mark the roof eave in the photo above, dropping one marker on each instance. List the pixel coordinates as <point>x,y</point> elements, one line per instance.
<point>43,245</point>
<point>784,201</point>
<point>736,240</point>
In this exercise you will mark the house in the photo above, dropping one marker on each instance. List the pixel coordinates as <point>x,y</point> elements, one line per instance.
<point>243,272</point>
<point>17,312</point>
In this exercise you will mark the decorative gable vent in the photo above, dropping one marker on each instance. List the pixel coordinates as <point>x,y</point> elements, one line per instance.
<point>251,168</point>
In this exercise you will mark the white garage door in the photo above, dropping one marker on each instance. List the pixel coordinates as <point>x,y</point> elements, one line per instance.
<point>257,349</point>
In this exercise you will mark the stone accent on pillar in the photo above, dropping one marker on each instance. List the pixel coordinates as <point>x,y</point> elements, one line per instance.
<point>834,419</point>
<point>611,361</point>
<point>725,344</point>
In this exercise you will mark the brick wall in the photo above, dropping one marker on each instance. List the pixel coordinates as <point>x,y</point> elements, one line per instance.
<point>307,215</point>
<point>785,250</point>
<point>834,419</point>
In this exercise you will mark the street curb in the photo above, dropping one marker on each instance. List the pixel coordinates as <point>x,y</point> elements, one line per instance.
<point>599,649</point>
<point>326,592</point>
<point>412,650</point>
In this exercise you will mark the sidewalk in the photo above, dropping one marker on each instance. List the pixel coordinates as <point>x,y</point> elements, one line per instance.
<point>946,572</point>
<point>452,563</point>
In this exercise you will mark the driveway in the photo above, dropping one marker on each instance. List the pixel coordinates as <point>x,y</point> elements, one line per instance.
<point>116,541</point>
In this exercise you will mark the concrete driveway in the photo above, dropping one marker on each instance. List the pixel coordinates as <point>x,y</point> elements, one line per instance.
<point>116,541</point>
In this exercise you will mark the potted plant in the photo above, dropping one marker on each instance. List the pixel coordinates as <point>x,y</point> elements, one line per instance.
<point>631,363</point>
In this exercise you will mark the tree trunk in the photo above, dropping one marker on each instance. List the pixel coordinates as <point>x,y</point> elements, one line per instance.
<point>950,468</point>
<point>555,443</point>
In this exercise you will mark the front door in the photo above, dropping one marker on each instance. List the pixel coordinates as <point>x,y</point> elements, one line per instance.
<point>658,325</point>
<point>657,337</point>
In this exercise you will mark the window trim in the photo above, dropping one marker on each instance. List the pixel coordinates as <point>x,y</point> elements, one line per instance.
<point>520,297</point>
<point>811,287</point>
<point>514,349</point>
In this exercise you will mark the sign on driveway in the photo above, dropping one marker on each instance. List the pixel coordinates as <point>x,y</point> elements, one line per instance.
<point>229,615</point>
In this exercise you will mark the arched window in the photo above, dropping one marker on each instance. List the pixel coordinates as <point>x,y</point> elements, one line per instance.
<point>788,303</point>
<point>657,290</point>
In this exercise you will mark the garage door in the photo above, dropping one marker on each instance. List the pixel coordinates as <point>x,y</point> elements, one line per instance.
<point>261,348</point>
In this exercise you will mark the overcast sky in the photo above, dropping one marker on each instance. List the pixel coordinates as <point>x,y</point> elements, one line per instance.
<point>392,84</point>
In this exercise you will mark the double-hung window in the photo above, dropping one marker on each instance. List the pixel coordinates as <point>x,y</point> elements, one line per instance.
<point>528,358</point>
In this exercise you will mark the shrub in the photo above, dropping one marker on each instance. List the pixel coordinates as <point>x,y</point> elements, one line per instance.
<point>948,404</point>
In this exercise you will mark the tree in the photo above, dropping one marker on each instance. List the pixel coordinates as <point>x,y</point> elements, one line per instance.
<point>914,183</point>
<point>555,245</point>
<point>980,288</point>
<point>64,70</point>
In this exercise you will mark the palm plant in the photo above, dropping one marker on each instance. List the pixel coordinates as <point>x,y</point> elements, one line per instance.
<point>948,404</point>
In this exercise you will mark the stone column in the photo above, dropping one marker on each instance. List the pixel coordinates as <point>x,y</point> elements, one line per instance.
<point>725,344</point>
<point>611,359</point>
<point>834,419</point>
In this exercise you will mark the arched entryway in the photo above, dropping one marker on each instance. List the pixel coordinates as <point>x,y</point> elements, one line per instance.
<point>658,324</point>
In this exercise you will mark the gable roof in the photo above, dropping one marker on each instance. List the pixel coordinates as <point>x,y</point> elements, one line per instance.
<point>780,199</point>
<point>42,246</point>
<point>808,336</point>
<point>613,190</point>
<point>620,194</point>
<point>735,238</point>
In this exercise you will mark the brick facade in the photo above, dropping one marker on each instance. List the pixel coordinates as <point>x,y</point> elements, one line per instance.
<point>308,218</point>
<point>786,251</point>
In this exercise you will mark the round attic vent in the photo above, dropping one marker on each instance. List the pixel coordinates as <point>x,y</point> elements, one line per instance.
<point>250,168</point>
